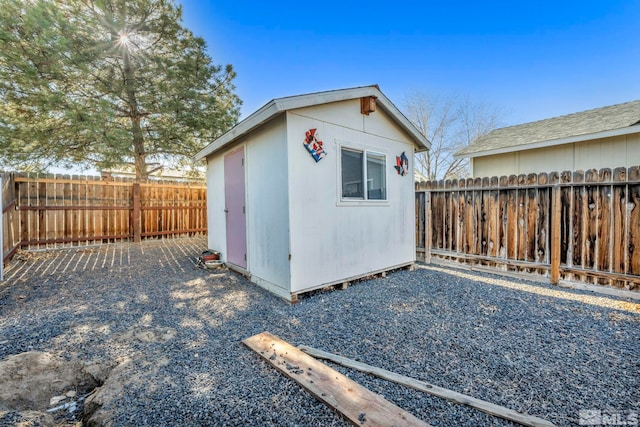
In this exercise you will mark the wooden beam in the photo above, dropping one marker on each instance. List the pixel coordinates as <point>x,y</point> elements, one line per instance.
<point>616,276</point>
<point>599,289</point>
<point>489,408</point>
<point>41,242</point>
<point>357,404</point>
<point>521,275</point>
<point>497,260</point>
<point>74,208</point>
<point>178,231</point>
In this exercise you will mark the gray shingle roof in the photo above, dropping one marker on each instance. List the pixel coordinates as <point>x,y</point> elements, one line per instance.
<point>518,137</point>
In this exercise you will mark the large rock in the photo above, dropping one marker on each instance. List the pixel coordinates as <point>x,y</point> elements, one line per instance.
<point>29,381</point>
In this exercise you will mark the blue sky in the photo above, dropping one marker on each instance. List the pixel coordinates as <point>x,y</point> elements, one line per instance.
<point>532,59</point>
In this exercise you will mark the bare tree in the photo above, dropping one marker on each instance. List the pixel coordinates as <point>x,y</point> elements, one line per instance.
<point>450,123</point>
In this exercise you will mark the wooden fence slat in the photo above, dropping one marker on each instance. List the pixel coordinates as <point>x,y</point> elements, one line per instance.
<point>542,235</point>
<point>531,218</point>
<point>618,215</point>
<point>522,221</point>
<point>556,210</point>
<point>633,206</point>
<point>604,248</point>
<point>460,234</point>
<point>492,211</point>
<point>579,203</point>
<point>566,230</point>
<point>593,200</point>
<point>512,220</point>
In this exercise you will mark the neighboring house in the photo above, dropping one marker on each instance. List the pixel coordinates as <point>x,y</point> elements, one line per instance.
<point>604,137</point>
<point>314,190</point>
<point>419,177</point>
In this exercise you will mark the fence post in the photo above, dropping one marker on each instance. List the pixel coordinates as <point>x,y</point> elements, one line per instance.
<point>1,230</point>
<point>136,212</point>
<point>427,227</point>
<point>556,218</point>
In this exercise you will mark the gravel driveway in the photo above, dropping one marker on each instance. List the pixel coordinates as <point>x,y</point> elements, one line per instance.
<point>175,330</point>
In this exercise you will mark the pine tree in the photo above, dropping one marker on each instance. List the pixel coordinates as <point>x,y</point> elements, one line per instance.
<point>107,83</point>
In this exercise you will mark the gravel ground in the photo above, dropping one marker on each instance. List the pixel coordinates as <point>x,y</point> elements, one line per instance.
<point>533,348</point>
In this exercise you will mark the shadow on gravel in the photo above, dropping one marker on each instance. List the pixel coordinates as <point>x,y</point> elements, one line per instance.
<point>171,334</point>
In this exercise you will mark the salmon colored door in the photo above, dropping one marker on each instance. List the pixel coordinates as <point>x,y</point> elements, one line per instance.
<point>234,194</point>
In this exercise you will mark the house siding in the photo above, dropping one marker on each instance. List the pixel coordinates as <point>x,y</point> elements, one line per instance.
<point>619,151</point>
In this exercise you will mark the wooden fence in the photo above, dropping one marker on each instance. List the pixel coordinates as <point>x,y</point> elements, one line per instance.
<point>575,226</point>
<point>10,218</point>
<point>54,211</point>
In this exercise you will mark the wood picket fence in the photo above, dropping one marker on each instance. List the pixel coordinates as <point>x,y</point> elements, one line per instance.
<point>575,225</point>
<point>49,211</point>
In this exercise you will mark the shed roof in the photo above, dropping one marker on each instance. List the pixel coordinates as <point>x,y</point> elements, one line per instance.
<point>278,106</point>
<point>619,119</point>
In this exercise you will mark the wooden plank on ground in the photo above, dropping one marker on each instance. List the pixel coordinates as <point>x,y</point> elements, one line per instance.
<point>489,408</point>
<point>357,404</point>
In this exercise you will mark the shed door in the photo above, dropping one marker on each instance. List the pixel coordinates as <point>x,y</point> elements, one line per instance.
<point>234,199</point>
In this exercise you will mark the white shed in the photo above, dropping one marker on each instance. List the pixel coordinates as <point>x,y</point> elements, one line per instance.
<point>314,190</point>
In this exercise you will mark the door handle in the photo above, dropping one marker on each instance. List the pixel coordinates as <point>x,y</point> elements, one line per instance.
<point>226,210</point>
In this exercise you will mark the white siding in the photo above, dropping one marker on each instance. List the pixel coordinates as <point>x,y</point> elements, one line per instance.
<point>548,159</point>
<point>619,151</point>
<point>344,114</point>
<point>217,234</point>
<point>331,241</point>
<point>300,235</point>
<point>608,153</point>
<point>267,205</point>
<point>380,124</point>
<point>497,165</point>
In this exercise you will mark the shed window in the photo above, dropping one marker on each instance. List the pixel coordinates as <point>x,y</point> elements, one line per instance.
<point>363,175</point>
